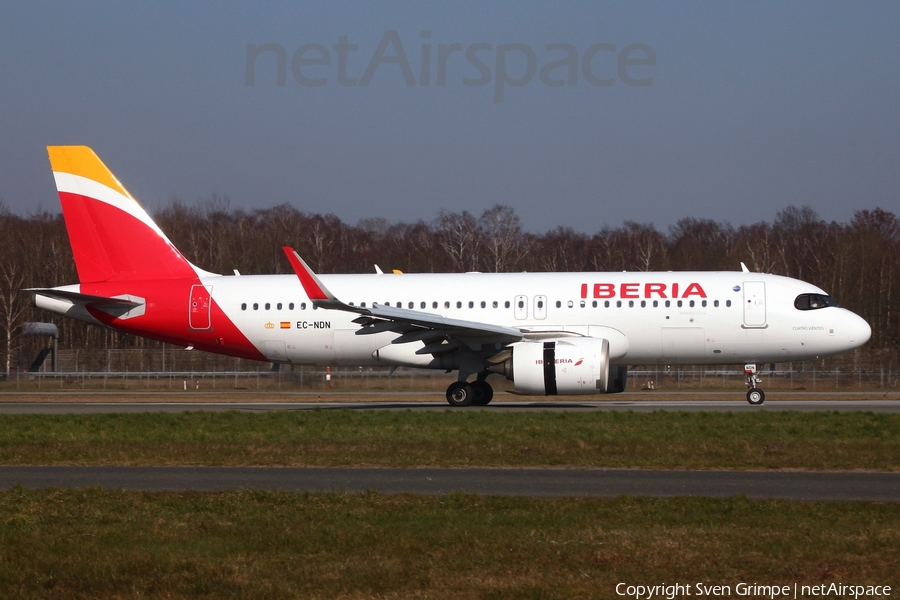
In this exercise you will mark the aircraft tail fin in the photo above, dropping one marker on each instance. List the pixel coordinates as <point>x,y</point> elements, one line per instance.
<point>112,236</point>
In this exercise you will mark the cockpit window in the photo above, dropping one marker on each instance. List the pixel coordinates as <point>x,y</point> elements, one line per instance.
<point>813,301</point>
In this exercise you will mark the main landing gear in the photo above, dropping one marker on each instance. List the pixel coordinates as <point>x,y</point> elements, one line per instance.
<point>477,393</point>
<point>755,396</point>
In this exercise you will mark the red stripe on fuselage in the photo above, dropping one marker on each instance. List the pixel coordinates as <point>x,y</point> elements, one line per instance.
<point>166,317</point>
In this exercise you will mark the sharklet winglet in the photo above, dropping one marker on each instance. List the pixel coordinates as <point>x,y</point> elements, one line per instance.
<point>314,288</point>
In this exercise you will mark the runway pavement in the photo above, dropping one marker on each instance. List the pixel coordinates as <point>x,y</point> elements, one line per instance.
<point>513,482</point>
<point>691,405</point>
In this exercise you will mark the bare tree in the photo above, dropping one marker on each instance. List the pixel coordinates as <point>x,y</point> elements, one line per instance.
<point>701,244</point>
<point>561,249</point>
<point>757,242</point>
<point>322,235</point>
<point>502,238</point>
<point>13,271</point>
<point>458,236</point>
<point>648,245</point>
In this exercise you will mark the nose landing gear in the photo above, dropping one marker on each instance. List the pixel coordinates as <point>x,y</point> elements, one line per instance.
<point>755,396</point>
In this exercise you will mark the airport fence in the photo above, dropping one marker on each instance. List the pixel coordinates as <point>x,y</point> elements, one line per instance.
<point>175,368</point>
<point>289,379</point>
<point>303,378</point>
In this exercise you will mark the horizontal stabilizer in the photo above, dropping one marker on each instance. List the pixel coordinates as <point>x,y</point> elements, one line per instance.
<point>121,307</point>
<point>88,299</point>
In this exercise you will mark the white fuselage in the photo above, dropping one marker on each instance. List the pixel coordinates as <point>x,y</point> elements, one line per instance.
<point>648,317</point>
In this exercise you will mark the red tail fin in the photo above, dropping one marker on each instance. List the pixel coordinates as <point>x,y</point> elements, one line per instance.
<point>112,236</point>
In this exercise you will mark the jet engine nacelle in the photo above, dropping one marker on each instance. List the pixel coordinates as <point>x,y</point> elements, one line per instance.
<point>560,366</point>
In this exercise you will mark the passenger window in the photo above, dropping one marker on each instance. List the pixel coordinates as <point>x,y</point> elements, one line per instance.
<point>618,304</point>
<point>582,304</point>
<point>495,304</point>
<point>703,304</point>
<point>570,304</point>
<point>361,304</point>
<point>412,304</point>
<point>471,304</point>
<point>691,303</point>
<point>446,304</point>
<point>727,303</point>
<point>303,305</point>
<point>268,306</point>
<point>540,304</point>
<point>558,304</point>
<point>434,304</point>
<point>606,304</point>
<point>631,304</point>
<point>421,305</point>
<point>521,304</point>
<point>506,304</point>
<point>716,303</point>
<point>668,303</point>
<point>458,304</point>
<point>278,306</point>
<point>643,304</point>
<point>594,304</point>
<point>679,304</point>
<point>244,306</point>
<point>655,303</point>
<point>291,306</point>
<point>255,306</point>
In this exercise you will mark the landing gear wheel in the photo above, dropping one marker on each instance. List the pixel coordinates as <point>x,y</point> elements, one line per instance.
<point>484,393</point>
<point>460,393</point>
<point>756,396</point>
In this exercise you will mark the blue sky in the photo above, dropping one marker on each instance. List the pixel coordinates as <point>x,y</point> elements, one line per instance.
<point>750,107</point>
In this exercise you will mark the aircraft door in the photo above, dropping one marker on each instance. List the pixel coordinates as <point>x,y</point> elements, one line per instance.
<point>199,307</point>
<point>521,307</point>
<point>540,307</point>
<point>754,304</point>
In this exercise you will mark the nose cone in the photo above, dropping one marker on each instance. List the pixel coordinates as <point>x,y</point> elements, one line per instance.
<point>858,331</point>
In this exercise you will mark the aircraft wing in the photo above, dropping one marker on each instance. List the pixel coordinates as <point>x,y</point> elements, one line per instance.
<point>439,333</point>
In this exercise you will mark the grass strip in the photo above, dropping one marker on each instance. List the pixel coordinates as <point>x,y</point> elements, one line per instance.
<point>761,440</point>
<point>97,543</point>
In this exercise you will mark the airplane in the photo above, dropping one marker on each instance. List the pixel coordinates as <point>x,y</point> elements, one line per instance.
<point>548,333</point>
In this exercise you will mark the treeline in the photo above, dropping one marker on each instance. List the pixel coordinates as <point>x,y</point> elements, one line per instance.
<point>858,262</point>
